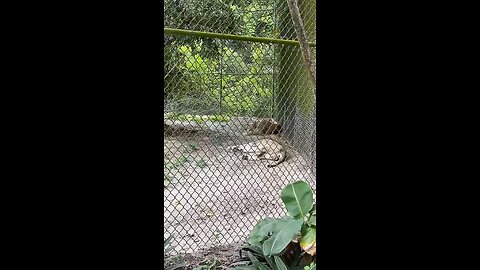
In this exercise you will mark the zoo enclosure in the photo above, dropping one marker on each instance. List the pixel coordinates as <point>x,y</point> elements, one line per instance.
<point>228,63</point>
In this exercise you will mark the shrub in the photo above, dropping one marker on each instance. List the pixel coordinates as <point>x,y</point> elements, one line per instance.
<point>288,242</point>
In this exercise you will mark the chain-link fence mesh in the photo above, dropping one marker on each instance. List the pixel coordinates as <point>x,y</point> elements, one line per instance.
<point>215,91</point>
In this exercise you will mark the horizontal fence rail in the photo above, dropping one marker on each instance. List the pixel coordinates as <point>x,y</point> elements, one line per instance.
<point>181,32</point>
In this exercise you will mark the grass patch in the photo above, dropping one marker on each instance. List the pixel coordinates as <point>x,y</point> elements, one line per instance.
<point>166,180</point>
<point>179,162</point>
<point>200,119</point>
<point>191,148</point>
<point>201,163</point>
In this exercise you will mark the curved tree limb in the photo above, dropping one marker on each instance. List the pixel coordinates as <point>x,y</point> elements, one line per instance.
<point>302,39</point>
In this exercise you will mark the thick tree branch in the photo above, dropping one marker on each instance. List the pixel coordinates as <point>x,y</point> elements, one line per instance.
<point>302,39</point>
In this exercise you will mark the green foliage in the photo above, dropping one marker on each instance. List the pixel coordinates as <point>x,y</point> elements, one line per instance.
<point>273,235</point>
<point>208,265</point>
<point>218,76</point>
<point>166,179</point>
<point>171,262</point>
<point>179,162</point>
<point>200,119</point>
<point>298,199</point>
<point>201,163</point>
<point>258,261</point>
<point>312,266</point>
<point>288,242</point>
<point>238,90</point>
<point>190,148</point>
<point>169,167</point>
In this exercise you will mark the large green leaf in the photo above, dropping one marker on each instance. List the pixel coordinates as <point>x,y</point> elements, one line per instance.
<point>281,232</point>
<point>257,263</point>
<point>298,199</point>
<point>308,240</point>
<point>175,266</point>
<point>245,267</point>
<point>312,266</point>
<point>261,231</point>
<point>312,220</point>
<point>271,262</point>
<point>280,264</point>
<point>253,249</point>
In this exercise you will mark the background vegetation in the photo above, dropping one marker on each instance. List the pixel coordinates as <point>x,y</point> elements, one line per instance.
<point>211,76</point>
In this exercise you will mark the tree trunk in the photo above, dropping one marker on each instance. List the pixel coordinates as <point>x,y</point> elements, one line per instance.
<point>308,59</point>
<point>294,90</point>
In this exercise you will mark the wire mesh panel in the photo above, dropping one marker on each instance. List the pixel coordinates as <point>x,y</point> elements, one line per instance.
<point>233,110</point>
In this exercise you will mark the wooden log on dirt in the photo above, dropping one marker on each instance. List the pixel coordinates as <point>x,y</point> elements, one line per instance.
<point>179,129</point>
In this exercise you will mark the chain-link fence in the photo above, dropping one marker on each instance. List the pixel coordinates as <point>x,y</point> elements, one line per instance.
<point>217,92</point>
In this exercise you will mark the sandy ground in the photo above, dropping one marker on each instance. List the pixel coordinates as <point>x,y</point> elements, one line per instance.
<point>214,198</point>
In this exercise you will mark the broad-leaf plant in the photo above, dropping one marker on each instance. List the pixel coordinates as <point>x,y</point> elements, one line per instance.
<point>288,242</point>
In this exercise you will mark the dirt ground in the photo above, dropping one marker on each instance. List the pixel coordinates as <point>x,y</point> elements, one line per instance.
<point>213,198</point>
<point>222,257</point>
